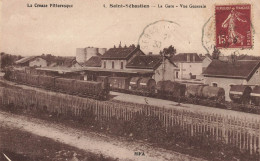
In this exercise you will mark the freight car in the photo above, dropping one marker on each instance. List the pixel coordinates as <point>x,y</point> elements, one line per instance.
<point>97,90</point>
<point>120,84</point>
<point>205,92</point>
<point>136,85</point>
<point>47,82</point>
<point>32,80</point>
<point>240,94</point>
<point>170,90</point>
<point>255,96</point>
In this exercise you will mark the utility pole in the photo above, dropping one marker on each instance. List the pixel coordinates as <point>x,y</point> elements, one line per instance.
<point>163,72</point>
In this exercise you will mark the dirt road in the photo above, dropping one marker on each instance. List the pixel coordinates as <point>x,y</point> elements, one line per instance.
<point>90,141</point>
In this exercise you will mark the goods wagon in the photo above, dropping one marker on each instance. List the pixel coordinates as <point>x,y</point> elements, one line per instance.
<point>21,77</point>
<point>104,81</point>
<point>147,86</point>
<point>97,90</point>
<point>12,76</point>
<point>65,85</point>
<point>205,92</point>
<point>213,93</point>
<point>179,90</point>
<point>194,91</point>
<point>119,83</point>
<point>88,88</point>
<point>32,79</point>
<point>47,82</point>
<point>255,95</point>
<point>164,88</point>
<point>134,83</point>
<point>240,93</point>
<point>169,89</point>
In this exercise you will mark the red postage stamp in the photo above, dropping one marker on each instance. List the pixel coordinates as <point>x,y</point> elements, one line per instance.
<point>233,26</point>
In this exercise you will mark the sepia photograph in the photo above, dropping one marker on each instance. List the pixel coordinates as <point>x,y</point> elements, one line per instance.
<point>129,80</point>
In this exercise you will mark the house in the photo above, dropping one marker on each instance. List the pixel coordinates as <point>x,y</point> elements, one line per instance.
<point>163,69</point>
<point>118,57</point>
<point>94,61</point>
<point>71,63</point>
<point>189,65</point>
<point>224,74</point>
<point>32,61</point>
<point>205,62</point>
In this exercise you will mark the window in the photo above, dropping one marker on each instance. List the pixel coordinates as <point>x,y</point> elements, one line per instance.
<point>257,72</point>
<point>214,84</point>
<point>177,74</point>
<point>113,65</point>
<point>122,65</point>
<point>105,64</point>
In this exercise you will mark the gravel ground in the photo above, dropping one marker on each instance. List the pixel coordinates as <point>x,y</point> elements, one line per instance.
<point>91,141</point>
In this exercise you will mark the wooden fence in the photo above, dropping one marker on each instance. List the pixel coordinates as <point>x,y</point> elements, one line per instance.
<point>240,132</point>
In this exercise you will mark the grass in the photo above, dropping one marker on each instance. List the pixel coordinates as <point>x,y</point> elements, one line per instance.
<point>24,146</point>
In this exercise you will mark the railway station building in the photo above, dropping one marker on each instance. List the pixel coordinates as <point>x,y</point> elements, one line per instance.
<point>118,57</point>
<point>224,74</point>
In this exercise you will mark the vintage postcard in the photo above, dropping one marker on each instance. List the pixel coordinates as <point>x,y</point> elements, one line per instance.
<point>149,80</point>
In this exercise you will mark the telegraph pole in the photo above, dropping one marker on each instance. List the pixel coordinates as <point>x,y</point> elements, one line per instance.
<point>163,72</point>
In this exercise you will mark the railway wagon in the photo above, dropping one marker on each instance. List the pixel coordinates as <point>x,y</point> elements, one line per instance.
<point>119,83</point>
<point>194,91</point>
<point>213,93</point>
<point>105,82</point>
<point>46,82</point>
<point>88,88</point>
<point>21,77</point>
<point>240,93</point>
<point>32,80</point>
<point>205,92</point>
<point>164,88</point>
<point>255,96</point>
<point>147,86</point>
<point>12,76</point>
<point>134,83</point>
<point>170,90</point>
<point>179,90</point>
<point>64,85</point>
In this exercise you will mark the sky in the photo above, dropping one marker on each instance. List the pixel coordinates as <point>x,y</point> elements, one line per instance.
<point>59,31</point>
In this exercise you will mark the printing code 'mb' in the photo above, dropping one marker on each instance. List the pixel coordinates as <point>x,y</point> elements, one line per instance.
<point>139,153</point>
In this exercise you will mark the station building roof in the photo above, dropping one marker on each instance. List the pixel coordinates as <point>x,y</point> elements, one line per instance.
<point>237,69</point>
<point>120,53</point>
<point>146,62</point>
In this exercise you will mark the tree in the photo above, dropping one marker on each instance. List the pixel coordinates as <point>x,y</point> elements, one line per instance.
<point>216,53</point>
<point>168,52</point>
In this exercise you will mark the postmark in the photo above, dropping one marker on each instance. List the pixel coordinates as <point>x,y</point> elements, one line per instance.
<point>233,26</point>
<point>158,35</point>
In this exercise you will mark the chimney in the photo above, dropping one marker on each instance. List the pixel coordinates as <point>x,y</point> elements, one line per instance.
<point>138,46</point>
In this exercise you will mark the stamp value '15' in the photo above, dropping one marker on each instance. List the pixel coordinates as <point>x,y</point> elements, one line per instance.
<point>233,26</point>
